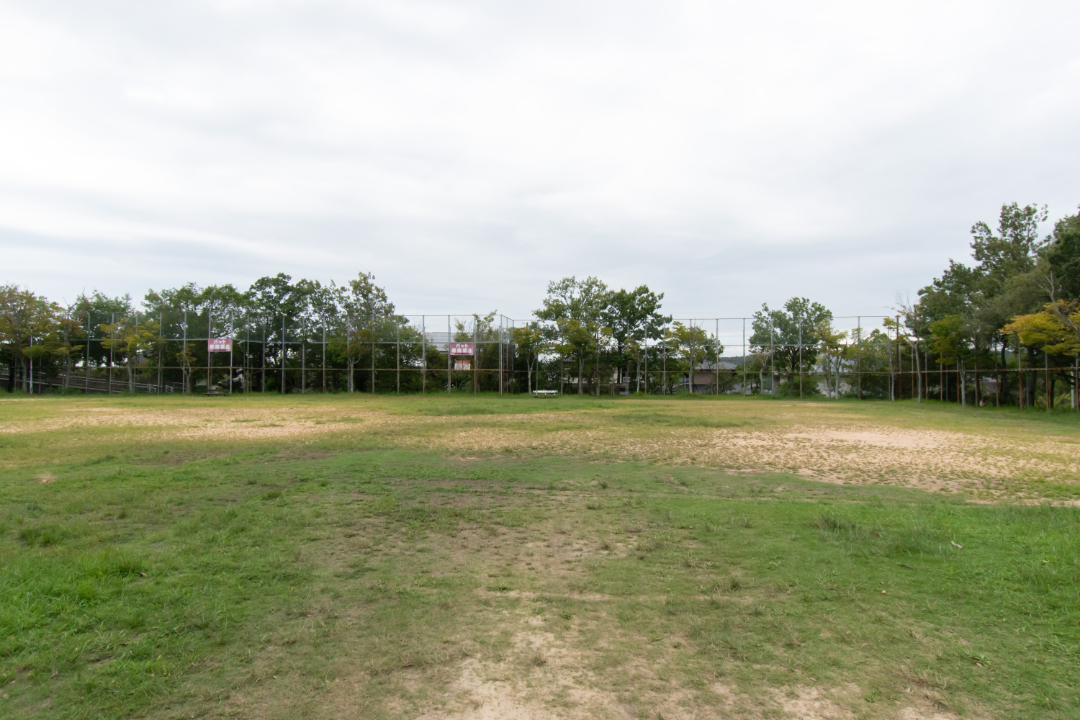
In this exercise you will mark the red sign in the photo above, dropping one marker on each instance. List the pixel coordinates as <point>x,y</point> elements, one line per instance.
<point>461,348</point>
<point>220,345</point>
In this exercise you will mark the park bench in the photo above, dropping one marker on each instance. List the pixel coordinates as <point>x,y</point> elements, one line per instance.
<point>545,393</point>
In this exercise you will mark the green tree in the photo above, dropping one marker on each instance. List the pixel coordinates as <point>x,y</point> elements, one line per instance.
<point>576,307</point>
<point>833,353</point>
<point>530,341</point>
<point>130,338</point>
<point>1063,255</point>
<point>30,329</point>
<point>1004,282</point>
<point>634,317</point>
<point>360,301</point>
<point>951,340</point>
<point>691,343</point>
<point>787,338</point>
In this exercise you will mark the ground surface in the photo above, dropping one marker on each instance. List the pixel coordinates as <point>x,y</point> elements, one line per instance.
<point>518,558</point>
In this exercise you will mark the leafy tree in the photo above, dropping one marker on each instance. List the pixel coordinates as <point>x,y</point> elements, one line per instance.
<point>359,301</point>
<point>187,358</point>
<point>1005,282</point>
<point>29,330</point>
<point>1012,251</point>
<point>130,339</point>
<point>576,339</point>
<point>951,340</point>
<point>1063,255</point>
<point>691,343</point>
<point>531,342</point>
<point>834,352</point>
<point>576,307</point>
<point>1046,330</point>
<point>788,337</point>
<point>633,316</point>
<point>1054,331</point>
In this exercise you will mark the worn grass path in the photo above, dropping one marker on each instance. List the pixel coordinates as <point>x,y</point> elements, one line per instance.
<point>471,558</point>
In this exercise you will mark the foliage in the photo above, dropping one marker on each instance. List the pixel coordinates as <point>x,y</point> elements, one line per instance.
<point>787,339</point>
<point>1063,255</point>
<point>1047,330</point>
<point>128,339</point>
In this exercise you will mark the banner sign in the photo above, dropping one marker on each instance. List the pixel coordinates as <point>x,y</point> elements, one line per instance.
<point>463,364</point>
<point>461,348</point>
<point>220,345</point>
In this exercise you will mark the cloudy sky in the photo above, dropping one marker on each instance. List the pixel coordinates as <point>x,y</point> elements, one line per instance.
<point>727,154</point>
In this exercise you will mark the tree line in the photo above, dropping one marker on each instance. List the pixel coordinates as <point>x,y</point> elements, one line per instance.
<point>976,333</point>
<point>1013,315</point>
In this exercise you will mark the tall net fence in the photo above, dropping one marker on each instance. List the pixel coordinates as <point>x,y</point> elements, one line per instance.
<point>227,352</point>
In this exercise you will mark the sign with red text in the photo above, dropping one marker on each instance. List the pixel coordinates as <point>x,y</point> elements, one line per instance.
<point>460,364</point>
<point>220,345</point>
<point>461,348</point>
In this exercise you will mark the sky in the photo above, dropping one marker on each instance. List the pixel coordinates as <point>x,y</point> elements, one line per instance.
<point>467,153</point>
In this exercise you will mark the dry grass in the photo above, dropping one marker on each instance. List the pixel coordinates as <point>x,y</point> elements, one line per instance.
<point>388,557</point>
<point>935,449</point>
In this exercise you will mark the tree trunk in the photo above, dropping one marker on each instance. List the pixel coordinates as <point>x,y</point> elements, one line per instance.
<point>581,374</point>
<point>1032,379</point>
<point>960,377</point>
<point>918,373</point>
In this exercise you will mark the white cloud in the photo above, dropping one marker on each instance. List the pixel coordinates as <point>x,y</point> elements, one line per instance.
<point>726,154</point>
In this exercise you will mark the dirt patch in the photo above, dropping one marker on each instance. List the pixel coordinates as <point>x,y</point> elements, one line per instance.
<point>838,449</point>
<point>809,703</point>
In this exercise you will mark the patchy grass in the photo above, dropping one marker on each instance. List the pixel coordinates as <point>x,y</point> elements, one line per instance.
<point>379,570</point>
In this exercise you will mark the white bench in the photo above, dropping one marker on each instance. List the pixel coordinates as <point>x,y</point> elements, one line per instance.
<point>545,393</point>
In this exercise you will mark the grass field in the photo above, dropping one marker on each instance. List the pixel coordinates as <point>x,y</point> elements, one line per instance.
<point>336,557</point>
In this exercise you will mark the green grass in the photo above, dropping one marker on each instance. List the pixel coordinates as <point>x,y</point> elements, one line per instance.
<point>339,575</point>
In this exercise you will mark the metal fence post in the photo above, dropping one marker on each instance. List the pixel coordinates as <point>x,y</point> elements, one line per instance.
<point>858,359</point>
<point>112,323</point>
<point>232,332</point>
<point>86,368</point>
<point>647,327</point>
<point>209,334</point>
<point>772,359</point>
<point>187,364</point>
<point>800,365</point>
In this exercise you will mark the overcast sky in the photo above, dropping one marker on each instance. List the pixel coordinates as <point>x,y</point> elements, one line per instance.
<point>727,154</point>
